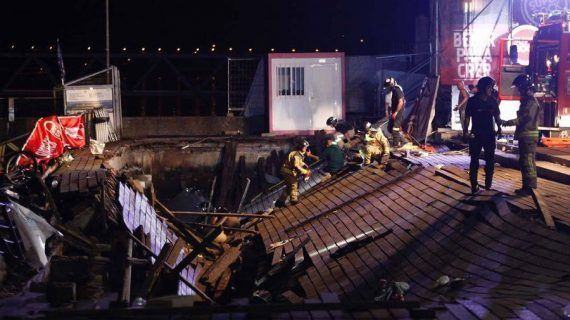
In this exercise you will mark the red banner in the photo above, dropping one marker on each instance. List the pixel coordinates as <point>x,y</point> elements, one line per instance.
<point>50,137</point>
<point>74,131</point>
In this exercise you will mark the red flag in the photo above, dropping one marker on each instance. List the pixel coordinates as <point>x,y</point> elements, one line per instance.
<point>74,131</point>
<point>46,141</point>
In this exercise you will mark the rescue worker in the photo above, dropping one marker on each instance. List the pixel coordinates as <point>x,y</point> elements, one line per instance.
<point>332,155</point>
<point>376,146</point>
<point>484,111</point>
<point>395,111</point>
<point>463,97</point>
<point>343,127</point>
<point>526,132</point>
<point>293,167</point>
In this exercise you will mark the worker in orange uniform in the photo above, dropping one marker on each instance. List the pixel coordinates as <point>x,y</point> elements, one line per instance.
<point>294,167</point>
<point>376,145</point>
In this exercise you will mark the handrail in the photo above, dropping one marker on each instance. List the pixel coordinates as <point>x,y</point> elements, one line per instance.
<point>15,138</point>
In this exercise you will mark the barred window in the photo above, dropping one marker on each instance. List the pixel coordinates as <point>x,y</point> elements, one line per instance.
<point>290,81</point>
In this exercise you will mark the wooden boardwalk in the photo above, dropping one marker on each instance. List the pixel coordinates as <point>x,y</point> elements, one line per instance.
<point>507,180</point>
<point>83,174</point>
<point>416,227</point>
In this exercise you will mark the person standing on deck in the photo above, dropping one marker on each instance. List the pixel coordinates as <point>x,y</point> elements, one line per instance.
<point>484,111</point>
<point>293,167</point>
<point>463,97</point>
<point>395,111</point>
<point>526,132</point>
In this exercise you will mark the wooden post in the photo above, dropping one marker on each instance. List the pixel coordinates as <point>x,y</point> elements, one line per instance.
<point>126,291</point>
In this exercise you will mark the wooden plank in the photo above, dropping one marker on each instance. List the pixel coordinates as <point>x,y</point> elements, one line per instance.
<point>543,208</point>
<point>220,265</point>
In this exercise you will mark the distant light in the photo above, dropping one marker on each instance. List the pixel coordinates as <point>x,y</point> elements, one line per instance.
<point>335,50</point>
<point>12,47</point>
<point>41,69</point>
<point>124,48</point>
<point>361,40</point>
<point>90,88</point>
<point>89,48</point>
<point>159,49</point>
<point>32,47</point>
<point>213,45</point>
<point>322,60</point>
<point>129,59</point>
<point>556,58</point>
<point>250,49</point>
<point>178,49</point>
<point>143,49</point>
<point>213,49</point>
<point>197,49</point>
<point>272,49</point>
<point>231,49</point>
<point>293,50</point>
<point>316,50</point>
<point>85,64</point>
<point>50,48</point>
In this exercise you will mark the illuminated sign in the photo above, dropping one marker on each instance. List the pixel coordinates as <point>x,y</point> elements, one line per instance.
<point>529,8</point>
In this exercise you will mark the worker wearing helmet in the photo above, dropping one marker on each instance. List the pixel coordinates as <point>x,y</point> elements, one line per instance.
<point>526,132</point>
<point>484,111</point>
<point>376,145</point>
<point>395,111</point>
<point>345,130</point>
<point>293,167</point>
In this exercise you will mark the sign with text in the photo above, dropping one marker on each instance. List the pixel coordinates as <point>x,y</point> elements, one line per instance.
<point>472,32</point>
<point>79,99</point>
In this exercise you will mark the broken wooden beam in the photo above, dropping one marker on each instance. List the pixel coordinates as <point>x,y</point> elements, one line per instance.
<point>201,293</point>
<point>181,214</point>
<point>157,268</point>
<point>220,265</point>
<point>189,237</point>
<point>208,225</point>
<point>543,208</point>
<point>196,250</point>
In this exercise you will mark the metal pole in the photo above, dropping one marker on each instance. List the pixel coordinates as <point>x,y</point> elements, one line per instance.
<point>107,50</point>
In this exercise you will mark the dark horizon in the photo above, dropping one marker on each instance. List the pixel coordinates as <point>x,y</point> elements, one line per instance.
<point>261,25</point>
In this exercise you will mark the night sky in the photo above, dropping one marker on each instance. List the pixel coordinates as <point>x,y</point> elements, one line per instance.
<point>301,24</point>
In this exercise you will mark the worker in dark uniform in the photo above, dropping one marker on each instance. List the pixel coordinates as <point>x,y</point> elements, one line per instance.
<point>526,132</point>
<point>293,167</point>
<point>344,128</point>
<point>332,155</point>
<point>395,111</point>
<point>484,111</point>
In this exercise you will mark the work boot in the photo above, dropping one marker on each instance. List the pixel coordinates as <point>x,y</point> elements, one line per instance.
<point>279,204</point>
<point>488,182</point>
<point>524,191</point>
<point>474,188</point>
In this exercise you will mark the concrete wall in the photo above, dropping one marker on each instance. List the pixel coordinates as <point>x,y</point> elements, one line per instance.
<point>140,127</point>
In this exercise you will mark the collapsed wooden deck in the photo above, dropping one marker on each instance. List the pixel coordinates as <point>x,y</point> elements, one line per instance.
<point>416,226</point>
<point>83,174</point>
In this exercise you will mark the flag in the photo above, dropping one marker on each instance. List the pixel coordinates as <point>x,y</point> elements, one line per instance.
<point>60,63</point>
<point>46,141</point>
